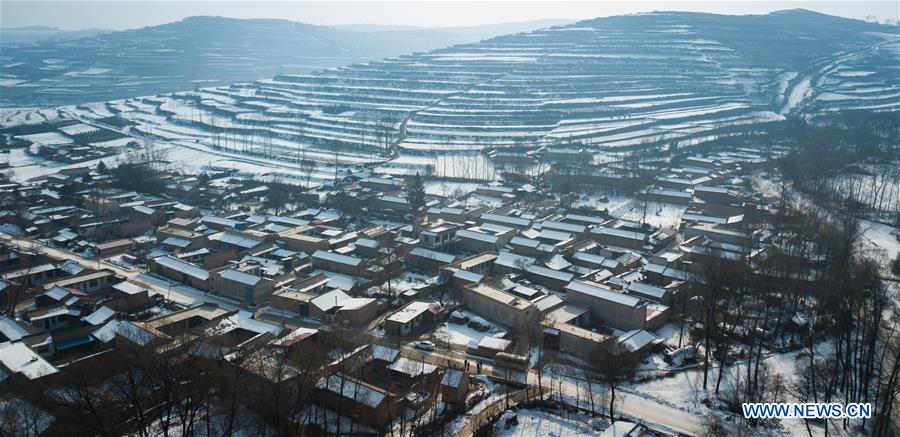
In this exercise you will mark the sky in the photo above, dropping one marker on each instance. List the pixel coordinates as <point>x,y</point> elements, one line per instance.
<point>131,14</point>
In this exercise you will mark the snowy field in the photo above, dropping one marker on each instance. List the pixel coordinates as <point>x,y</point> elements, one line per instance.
<point>882,236</point>
<point>631,209</point>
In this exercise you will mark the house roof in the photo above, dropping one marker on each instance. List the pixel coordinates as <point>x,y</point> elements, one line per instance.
<point>337,258</point>
<point>604,293</point>
<point>12,330</point>
<point>326,302</point>
<point>183,267</point>
<point>19,358</point>
<point>409,312</point>
<point>241,277</point>
<point>412,368</point>
<point>100,316</point>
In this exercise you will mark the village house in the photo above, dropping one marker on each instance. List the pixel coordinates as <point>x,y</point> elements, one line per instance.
<point>498,305</point>
<point>406,320</point>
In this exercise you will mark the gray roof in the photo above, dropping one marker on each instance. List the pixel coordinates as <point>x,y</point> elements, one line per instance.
<point>183,267</point>
<point>497,218</point>
<point>550,273</point>
<point>512,260</point>
<point>595,259</point>
<point>100,316</point>
<point>219,221</point>
<point>433,254</point>
<point>11,330</point>
<point>555,235</point>
<point>472,235</point>
<point>620,233</point>
<point>337,258</point>
<point>602,293</point>
<point>467,275</point>
<point>241,277</point>
<point>128,288</point>
<point>547,302</point>
<point>524,242</point>
<point>647,290</point>
<point>560,226</point>
<point>235,239</point>
<point>177,242</point>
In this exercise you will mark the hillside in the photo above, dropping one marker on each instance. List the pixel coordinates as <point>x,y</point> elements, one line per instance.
<point>613,84</point>
<point>46,67</point>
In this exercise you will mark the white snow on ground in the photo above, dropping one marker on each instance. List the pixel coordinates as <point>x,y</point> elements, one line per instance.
<point>447,188</point>
<point>882,236</point>
<point>798,93</point>
<point>533,422</point>
<point>463,335</point>
<point>631,209</point>
<point>684,390</point>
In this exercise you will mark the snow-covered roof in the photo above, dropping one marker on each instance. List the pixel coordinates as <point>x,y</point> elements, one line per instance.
<point>602,293</point>
<point>467,275</point>
<point>135,333</point>
<point>547,302</point>
<point>351,389</point>
<point>100,316</point>
<point>495,229</point>
<point>329,300</point>
<point>128,288</point>
<point>19,358</point>
<point>337,258</point>
<point>295,336</point>
<point>177,242</point>
<point>235,239</point>
<point>636,339</point>
<point>550,273</point>
<point>11,330</point>
<point>472,235</point>
<point>524,242</point>
<point>550,234</point>
<point>647,290</point>
<point>71,267</point>
<point>595,259</point>
<point>107,332</point>
<point>241,277</point>
<point>560,226</point>
<point>56,293</point>
<point>512,260</point>
<point>409,312</point>
<point>621,233</point>
<point>497,218</point>
<point>183,267</point>
<point>412,367</point>
<point>220,221</point>
<point>494,343</point>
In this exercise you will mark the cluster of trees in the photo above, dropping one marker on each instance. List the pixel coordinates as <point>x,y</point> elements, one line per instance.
<point>817,290</point>
<point>851,157</point>
<point>141,169</point>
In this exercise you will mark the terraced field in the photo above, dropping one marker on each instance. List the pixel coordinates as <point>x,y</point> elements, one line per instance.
<point>614,84</point>
<point>198,52</point>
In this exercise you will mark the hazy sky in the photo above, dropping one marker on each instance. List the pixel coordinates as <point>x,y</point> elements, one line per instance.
<point>129,14</point>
